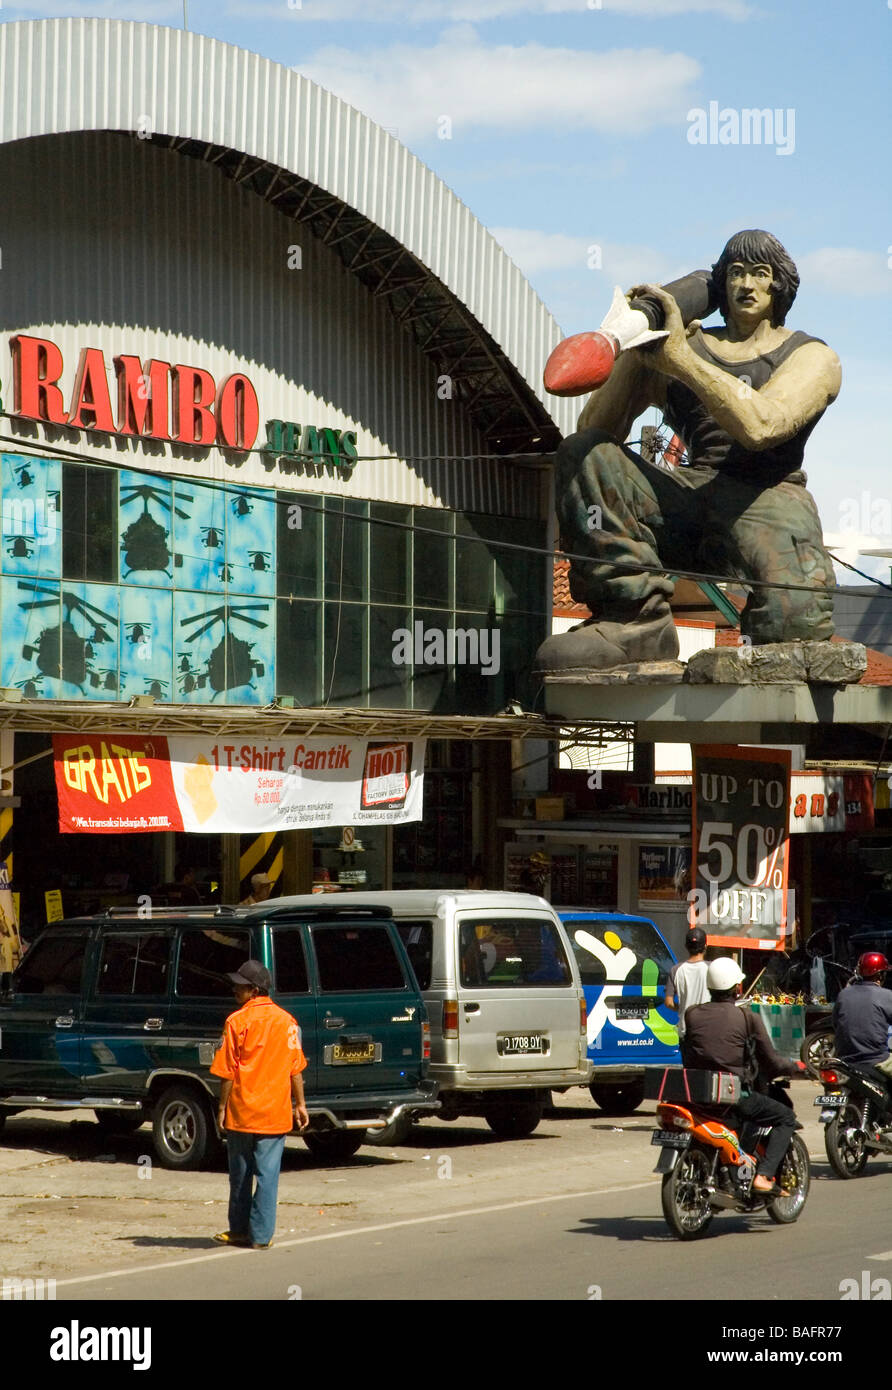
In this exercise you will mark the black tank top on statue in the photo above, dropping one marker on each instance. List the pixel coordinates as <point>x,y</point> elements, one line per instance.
<point>709,446</point>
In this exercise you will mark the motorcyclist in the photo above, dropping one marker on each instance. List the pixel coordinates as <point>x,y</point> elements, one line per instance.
<point>862,1016</point>
<point>716,1039</point>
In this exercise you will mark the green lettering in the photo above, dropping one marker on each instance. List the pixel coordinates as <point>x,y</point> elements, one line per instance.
<point>311,445</point>
<point>273,436</point>
<point>349,452</point>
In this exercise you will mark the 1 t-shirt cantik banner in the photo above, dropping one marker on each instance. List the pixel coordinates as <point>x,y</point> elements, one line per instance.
<point>114,783</point>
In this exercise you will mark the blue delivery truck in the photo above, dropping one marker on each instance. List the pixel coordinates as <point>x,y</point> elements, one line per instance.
<point>624,962</point>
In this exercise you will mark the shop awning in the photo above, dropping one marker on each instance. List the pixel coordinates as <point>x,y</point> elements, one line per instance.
<point>275,721</point>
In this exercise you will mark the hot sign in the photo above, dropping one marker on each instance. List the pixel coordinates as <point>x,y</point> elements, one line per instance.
<point>741,844</point>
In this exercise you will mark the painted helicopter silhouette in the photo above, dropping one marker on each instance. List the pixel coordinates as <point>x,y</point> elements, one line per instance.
<point>144,543</point>
<point>60,650</point>
<point>230,664</point>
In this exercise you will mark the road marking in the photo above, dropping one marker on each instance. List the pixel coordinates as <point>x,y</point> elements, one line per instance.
<point>230,1254</point>
<point>885,1255</point>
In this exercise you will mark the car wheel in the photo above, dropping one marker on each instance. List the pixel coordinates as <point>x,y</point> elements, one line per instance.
<point>395,1133</point>
<point>334,1145</point>
<point>183,1129</point>
<point>119,1121</point>
<point>514,1121</point>
<point>618,1100</point>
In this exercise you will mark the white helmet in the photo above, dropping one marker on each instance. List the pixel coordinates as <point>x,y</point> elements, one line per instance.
<point>723,974</point>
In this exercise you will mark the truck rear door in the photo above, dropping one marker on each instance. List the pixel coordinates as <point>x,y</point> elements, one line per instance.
<point>369,1012</point>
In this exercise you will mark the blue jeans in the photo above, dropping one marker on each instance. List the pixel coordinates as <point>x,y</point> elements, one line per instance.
<point>252,1212</point>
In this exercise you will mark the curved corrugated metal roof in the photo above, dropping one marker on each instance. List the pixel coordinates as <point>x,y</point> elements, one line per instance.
<point>210,99</point>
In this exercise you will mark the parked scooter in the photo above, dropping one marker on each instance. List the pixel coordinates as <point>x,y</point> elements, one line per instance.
<point>708,1167</point>
<point>857,1115</point>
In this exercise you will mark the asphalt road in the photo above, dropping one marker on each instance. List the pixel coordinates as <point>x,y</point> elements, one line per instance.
<point>577,1246</point>
<point>573,1213</point>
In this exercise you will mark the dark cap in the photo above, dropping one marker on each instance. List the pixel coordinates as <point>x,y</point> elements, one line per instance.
<point>252,973</point>
<point>695,940</point>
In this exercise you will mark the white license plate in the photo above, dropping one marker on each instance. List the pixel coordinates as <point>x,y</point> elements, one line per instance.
<point>522,1044</point>
<point>831,1102</point>
<point>670,1139</point>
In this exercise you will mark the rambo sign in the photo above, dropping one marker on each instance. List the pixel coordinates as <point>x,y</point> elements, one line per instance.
<point>741,843</point>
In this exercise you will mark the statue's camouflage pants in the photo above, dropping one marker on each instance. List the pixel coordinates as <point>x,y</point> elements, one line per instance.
<point>617,509</point>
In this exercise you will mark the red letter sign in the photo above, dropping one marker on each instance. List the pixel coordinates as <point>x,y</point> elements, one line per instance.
<point>238,412</point>
<point>193,396</point>
<point>90,395</point>
<point>37,366</point>
<point>142,396</point>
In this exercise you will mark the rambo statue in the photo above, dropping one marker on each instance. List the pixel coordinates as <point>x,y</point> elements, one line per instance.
<point>744,398</point>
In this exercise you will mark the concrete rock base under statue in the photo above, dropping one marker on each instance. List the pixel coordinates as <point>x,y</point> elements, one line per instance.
<point>816,663</point>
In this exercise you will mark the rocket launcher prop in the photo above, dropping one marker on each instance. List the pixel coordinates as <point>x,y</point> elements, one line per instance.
<point>584,361</point>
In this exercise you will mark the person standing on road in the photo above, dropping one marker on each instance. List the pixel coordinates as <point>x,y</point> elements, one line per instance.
<point>260,1061</point>
<point>687,980</point>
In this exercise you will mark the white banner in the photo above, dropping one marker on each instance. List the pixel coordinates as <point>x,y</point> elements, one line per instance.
<point>223,787</point>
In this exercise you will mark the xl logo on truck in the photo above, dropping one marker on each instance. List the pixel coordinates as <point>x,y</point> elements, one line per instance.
<point>618,961</point>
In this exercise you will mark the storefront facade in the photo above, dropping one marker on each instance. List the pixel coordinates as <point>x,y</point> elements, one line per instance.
<point>272,408</point>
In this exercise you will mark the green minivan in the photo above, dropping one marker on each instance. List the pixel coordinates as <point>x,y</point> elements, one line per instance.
<point>122,1014</point>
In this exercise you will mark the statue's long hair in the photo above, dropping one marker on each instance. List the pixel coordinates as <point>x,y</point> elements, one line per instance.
<point>755,246</point>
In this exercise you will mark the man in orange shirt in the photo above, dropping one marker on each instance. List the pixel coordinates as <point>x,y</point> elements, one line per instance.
<point>262,1099</point>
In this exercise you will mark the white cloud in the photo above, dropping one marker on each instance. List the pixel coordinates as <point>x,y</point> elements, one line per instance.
<point>846,270</point>
<point>478,11</point>
<point>408,89</point>
<point>613,262</point>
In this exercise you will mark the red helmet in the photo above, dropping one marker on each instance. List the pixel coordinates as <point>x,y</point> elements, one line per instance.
<point>871,964</point>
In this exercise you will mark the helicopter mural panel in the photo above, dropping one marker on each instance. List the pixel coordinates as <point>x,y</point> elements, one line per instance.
<point>145,509</point>
<point>31,516</point>
<point>147,665</point>
<point>250,546</point>
<point>200,537</point>
<point>224,652</point>
<point>60,641</point>
<point>93,610</point>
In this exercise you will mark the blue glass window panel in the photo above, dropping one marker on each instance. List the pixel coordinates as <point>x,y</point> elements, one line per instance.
<point>145,504</point>
<point>146,644</point>
<point>251,542</point>
<point>90,637</point>
<point>200,538</point>
<point>31,516</point>
<point>31,650</point>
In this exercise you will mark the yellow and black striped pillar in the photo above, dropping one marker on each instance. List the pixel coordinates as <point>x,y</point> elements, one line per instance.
<point>260,854</point>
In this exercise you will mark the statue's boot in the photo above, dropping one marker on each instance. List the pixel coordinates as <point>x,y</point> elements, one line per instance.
<point>596,645</point>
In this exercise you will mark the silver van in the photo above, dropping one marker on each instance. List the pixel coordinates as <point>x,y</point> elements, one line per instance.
<point>506,1006</point>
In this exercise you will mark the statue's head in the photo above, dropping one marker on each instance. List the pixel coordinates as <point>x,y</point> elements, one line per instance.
<point>758,248</point>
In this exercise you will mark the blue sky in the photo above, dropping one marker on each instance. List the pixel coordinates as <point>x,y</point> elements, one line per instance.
<point>570,124</point>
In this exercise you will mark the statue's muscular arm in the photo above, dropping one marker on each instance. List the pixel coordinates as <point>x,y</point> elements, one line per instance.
<point>800,389</point>
<point>631,387</point>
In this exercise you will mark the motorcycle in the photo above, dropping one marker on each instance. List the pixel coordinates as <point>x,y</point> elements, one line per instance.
<point>856,1114</point>
<point>707,1167</point>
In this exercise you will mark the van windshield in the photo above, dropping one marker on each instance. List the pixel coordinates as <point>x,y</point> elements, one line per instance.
<point>615,952</point>
<point>511,953</point>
